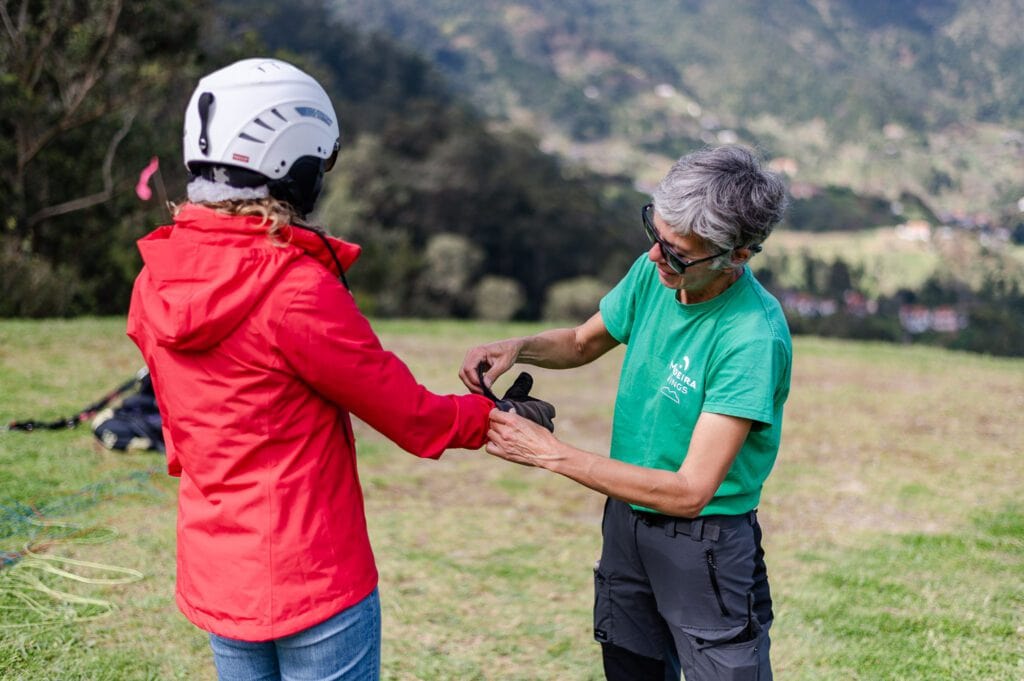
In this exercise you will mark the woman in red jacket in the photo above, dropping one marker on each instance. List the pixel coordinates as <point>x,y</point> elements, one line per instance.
<point>258,355</point>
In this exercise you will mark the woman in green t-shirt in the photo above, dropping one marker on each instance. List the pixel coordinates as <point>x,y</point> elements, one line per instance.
<point>681,585</point>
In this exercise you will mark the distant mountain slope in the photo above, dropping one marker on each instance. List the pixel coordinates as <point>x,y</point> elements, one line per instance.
<point>438,201</point>
<point>882,96</point>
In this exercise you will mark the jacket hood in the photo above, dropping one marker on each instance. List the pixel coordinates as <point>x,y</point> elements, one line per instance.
<point>204,273</point>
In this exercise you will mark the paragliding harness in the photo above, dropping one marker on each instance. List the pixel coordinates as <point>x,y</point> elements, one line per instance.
<point>133,424</point>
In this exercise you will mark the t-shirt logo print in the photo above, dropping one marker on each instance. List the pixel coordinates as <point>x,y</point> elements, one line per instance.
<point>678,382</point>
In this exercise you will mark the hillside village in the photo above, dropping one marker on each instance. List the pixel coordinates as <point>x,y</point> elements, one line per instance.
<point>915,318</point>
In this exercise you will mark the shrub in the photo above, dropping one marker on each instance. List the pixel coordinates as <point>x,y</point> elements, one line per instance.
<point>31,287</point>
<point>445,284</point>
<point>498,299</point>
<point>574,300</point>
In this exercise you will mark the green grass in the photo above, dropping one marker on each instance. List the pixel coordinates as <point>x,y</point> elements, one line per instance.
<point>919,606</point>
<point>893,526</point>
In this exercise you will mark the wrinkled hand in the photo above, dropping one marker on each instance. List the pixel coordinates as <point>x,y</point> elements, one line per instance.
<point>517,398</point>
<point>513,438</point>
<point>496,358</point>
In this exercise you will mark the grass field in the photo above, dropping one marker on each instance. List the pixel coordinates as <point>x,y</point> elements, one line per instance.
<point>894,522</point>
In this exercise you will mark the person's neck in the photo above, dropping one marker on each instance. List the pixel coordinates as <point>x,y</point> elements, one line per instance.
<point>715,288</point>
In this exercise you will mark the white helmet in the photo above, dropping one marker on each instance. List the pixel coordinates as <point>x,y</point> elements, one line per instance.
<point>262,121</point>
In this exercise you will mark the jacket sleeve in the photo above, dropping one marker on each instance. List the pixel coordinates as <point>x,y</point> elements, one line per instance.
<point>329,344</point>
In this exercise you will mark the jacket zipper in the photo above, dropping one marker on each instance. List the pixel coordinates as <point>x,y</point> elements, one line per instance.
<point>709,555</point>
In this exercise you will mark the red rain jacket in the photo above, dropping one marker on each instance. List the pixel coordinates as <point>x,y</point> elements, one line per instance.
<point>258,355</point>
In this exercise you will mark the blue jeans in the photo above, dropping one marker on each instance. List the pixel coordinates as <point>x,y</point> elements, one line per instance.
<point>345,647</point>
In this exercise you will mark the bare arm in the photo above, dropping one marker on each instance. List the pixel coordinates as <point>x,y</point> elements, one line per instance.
<point>716,441</point>
<point>554,349</point>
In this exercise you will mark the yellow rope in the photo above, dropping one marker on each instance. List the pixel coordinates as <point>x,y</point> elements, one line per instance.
<point>44,563</point>
<point>24,580</point>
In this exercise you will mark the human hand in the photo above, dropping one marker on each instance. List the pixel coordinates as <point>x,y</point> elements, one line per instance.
<point>517,398</point>
<point>516,439</point>
<point>496,358</point>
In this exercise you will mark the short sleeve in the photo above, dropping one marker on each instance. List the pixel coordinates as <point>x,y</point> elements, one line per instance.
<point>618,307</point>
<point>746,380</point>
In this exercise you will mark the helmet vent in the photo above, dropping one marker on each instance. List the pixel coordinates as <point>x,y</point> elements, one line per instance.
<point>278,114</point>
<point>263,125</point>
<point>205,100</point>
<point>250,138</point>
<point>311,112</point>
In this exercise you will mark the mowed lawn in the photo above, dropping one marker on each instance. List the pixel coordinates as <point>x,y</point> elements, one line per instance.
<point>894,524</point>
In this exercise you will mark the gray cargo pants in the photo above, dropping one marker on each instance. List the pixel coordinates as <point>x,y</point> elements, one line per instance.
<point>692,593</point>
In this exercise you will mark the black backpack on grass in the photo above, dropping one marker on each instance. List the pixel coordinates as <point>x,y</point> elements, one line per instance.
<point>134,424</point>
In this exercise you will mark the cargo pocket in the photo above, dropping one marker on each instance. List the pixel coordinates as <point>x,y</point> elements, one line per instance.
<point>730,655</point>
<point>602,606</point>
<point>728,661</point>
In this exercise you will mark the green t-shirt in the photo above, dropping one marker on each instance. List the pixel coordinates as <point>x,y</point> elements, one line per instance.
<point>729,355</point>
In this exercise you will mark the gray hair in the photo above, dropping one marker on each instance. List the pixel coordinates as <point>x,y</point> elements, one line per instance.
<point>723,196</point>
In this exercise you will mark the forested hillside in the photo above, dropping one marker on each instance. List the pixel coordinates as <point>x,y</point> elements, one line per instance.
<point>495,154</point>
<point>882,97</point>
<point>882,115</point>
<point>455,219</point>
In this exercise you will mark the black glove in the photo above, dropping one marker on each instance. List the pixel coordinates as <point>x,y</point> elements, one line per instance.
<point>518,397</point>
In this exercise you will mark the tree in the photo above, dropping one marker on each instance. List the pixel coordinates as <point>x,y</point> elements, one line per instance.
<point>839,279</point>
<point>85,88</point>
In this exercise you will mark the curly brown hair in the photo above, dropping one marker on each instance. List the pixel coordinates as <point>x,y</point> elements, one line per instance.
<point>276,214</point>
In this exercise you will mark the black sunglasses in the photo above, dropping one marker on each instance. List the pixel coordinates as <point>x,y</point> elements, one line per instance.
<point>677,262</point>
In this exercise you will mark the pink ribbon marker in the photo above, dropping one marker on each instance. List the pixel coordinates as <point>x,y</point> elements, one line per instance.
<point>142,189</point>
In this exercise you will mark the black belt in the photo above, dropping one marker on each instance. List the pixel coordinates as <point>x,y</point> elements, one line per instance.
<point>695,528</point>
